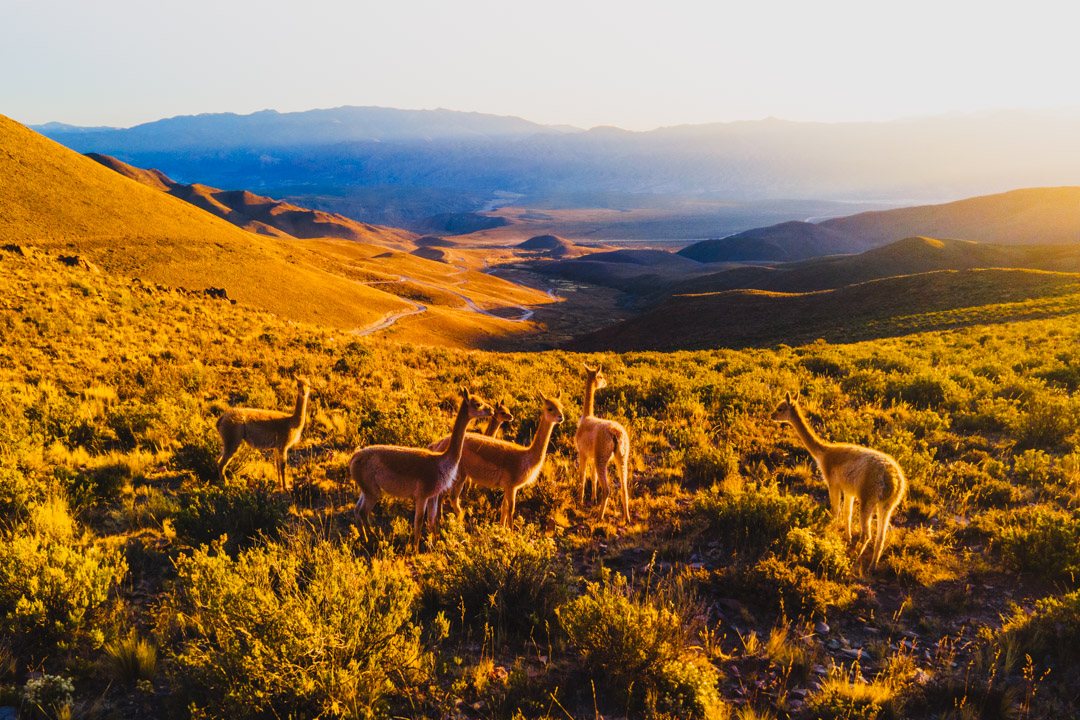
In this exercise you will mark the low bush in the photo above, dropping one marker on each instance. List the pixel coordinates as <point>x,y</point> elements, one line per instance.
<point>54,585</point>
<point>1042,541</point>
<point>753,520</point>
<point>1049,633</point>
<point>132,658</point>
<point>788,588</point>
<point>705,466</point>
<point>242,513</point>
<point>510,581</point>
<point>638,653</point>
<point>299,628</point>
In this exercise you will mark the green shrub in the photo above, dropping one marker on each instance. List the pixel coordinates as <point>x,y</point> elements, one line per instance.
<point>198,454</point>
<point>1042,541</point>
<point>705,466</point>
<point>48,696</point>
<point>54,586</point>
<point>789,588</point>
<point>301,628</point>
<point>240,512</point>
<point>510,581</point>
<point>825,555</point>
<point>1045,422</point>
<point>756,518</point>
<point>635,651</point>
<point>1050,634</point>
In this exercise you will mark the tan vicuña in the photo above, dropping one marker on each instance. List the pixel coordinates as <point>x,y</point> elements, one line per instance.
<point>263,430</point>
<point>501,414</point>
<point>852,472</point>
<point>598,442</point>
<point>419,473</point>
<point>500,465</point>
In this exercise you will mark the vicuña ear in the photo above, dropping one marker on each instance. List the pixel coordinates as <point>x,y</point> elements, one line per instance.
<point>558,394</point>
<point>464,391</point>
<point>788,398</point>
<point>589,369</point>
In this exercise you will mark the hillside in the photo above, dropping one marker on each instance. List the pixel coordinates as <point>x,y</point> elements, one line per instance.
<point>878,308</point>
<point>783,242</point>
<point>729,591</point>
<point>1037,215</point>
<point>64,200</point>
<point>903,257</point>
<point>262,215</point>
<point>1031,216</point>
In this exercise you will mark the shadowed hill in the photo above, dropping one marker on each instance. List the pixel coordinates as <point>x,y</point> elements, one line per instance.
<point>56,197</point>
<point>1020,217</point>
<point>781,243</point>
<point>549,246</point>
<point>903,257</point>
<point>262,215</point>
<point>879,308</point>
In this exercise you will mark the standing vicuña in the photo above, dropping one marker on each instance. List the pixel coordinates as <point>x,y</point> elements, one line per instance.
<point>598,441</point>
<point>263,430</point>
<point>421,474</point>
<point>497,464</point>
<point>853,471</point>
<point>501,414</point>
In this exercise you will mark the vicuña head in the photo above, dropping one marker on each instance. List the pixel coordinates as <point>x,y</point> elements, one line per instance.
<point>419,473</point>
<point>264,430</point>
<point>852,472</point>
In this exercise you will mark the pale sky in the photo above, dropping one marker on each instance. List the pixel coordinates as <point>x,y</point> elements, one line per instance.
<point>637,65</point>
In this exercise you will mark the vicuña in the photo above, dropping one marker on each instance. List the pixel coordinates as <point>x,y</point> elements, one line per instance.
<point>419,473</point>
<point>598,441</point>
<point>852,472</point>
<point>263,430</point>
<point>497,464</point>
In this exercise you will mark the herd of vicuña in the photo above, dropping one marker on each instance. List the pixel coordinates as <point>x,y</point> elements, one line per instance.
<point>451,464</point>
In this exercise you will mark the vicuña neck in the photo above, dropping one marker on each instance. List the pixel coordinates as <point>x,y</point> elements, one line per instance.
<point>540,440</point>
<point>300,412</point>
<point>457,438</point>
<point>492,426</point>
<point>813,443</point>
<point>590,391</point>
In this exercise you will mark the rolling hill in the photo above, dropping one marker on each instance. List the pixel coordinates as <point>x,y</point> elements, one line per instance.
<point>782,242</point>
<point>61,199</point>
<point>903,257</point>
<point>878,308</point>
<point>262,215</point>
<point>1030,216</point>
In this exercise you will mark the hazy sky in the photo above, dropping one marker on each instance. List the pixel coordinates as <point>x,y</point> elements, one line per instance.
<point>637,65</point>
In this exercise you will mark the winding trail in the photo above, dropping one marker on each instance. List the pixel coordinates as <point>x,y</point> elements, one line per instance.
<point>390,320</point>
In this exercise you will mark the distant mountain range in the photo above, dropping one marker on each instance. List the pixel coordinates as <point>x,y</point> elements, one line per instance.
<point>475,154</point>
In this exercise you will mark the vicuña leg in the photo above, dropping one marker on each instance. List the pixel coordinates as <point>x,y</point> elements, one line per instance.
<point>866,514</point>
<point>623,465</point>
<point>605,486</point>
<point>850,510</point>
<point>883,528</point>
<point>228,449</point>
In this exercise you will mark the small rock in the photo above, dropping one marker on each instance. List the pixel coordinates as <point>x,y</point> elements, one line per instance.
<point>8,712</point>
<point>821,628</point>
<point>852,653</point>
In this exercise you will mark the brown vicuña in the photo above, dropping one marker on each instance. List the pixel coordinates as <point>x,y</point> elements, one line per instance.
<point>500,415</point>
<point>852,472</point>
<point>263,430</point>
<point>598,441</point>
<point>500,465</point>
<point>419,473</point>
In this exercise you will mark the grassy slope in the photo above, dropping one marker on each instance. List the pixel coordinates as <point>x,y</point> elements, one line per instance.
<point>57,198</point>
<point>1020,217</point>
<point>877,308</point>
<point>953,407</point>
